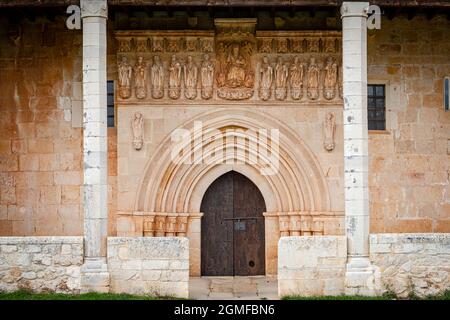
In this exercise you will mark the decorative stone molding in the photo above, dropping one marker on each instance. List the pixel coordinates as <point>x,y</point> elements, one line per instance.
<point>94,8</point>
<point>241,61</point>
<point>308,223</point>
<point>159,224</point>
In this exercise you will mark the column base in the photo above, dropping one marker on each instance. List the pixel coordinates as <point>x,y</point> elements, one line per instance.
<point>94,275</point>
<point>361,277</point>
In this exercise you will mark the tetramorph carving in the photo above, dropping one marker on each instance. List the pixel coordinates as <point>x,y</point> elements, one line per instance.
<point>140,79</point>
<point>125,72</point>
<point>157,78</point>
<point>281,76</point>
<point>190,79</point>
<point>297,72</point>
<point>313,79</point>
<point>207,77</point>
<point>331,74</point>
<point>174,78</point>
<point>137,126</point>
<point>329,131</point>
<point>266,77</point>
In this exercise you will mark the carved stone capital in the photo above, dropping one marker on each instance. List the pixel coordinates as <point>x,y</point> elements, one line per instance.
<point>94,8</point>
<point>354,9</point>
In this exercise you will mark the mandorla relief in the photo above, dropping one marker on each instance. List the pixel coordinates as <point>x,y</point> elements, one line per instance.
<point>301,70</point>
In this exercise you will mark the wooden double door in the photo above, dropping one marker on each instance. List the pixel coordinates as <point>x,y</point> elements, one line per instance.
<point>232,241</point>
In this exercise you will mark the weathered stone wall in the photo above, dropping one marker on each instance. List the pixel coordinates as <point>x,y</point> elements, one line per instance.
<point>410,162</point>
<point>40,129</point>
<point>412,263</point>
<point>311,265</point>
<point>149,265</point>
<point>41,264</point>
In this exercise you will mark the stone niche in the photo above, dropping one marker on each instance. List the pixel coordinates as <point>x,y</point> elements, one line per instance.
<point>232,64</point>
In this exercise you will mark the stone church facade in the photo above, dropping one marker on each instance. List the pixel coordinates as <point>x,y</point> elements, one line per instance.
<point>140,152</point>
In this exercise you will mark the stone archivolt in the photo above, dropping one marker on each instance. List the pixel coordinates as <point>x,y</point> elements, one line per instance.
<point>234,63</point>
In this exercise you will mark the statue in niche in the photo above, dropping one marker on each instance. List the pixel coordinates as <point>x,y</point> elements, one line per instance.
<point>140,79</point>
<point>331,74</point>
<point>281,76</point>
<point>125,73</point>
<point>313,80</point>
<point>329,131</point>
<point>190,79</point>
<point>297,72</point>
<point>137,126</point>
<point>207,77</point>
<point>329,45</point>
<point>157,78</point>
<point>235,76</point>
<point>265,83</point>
<point>174,78</point>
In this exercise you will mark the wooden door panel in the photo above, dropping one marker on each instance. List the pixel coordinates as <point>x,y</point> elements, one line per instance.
<point>217,232</point>
<point>230,246</point>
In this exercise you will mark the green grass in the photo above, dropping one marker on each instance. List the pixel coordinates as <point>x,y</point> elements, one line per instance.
<point>387,296</point>
<point>26,295</point>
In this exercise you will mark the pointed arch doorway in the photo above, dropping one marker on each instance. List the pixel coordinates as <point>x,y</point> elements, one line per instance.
<point>233,236</point>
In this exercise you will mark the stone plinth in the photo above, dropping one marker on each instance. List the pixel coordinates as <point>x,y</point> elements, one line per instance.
<point>156,266</point>
<point>311,265</point>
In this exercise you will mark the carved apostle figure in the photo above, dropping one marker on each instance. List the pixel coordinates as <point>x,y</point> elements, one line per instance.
<point>313,80</point>
<point>281,75</point>
<point>137,126</point>
<point>331,74</point>
<point>174,78</point>
<point>140,79</point>
<point>297,71</point>
<point>190,79</point>
<point>125,73</point>
<point>329,131</point>
<point>157,78</point>
<point>265,82</point>
<point>207,77</point>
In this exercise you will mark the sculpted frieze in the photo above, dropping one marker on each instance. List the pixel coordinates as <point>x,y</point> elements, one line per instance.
<point>232,64</point>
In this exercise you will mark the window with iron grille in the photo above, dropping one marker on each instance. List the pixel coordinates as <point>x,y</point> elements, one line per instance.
<point>110,103</point>
<point>376,106</point>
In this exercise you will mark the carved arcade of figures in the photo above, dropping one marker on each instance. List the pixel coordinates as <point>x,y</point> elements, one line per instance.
<point>174,78</point>
<point>137,126</point>
<point>281,76</point>
<point>329,132</point>
<point>157,78</point>
<point>331,74</point>
<point>297,72</point>
<point>313,80</point>
<point>207,77</point>
<point>266,77</point>
<point>140,79</point>
<point>125,73</point>
<point>190,79</point>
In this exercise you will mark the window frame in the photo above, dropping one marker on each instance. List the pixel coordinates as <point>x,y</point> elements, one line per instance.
<point>387,105</point>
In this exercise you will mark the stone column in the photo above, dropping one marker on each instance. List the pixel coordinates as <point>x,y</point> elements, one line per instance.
<point>359,274</point>
<point>94,273</point>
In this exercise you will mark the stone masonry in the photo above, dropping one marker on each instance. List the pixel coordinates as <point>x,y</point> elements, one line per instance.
<point>149,265</point>
<point>311,265</point>
<point>412,262</point>
<point>41,264</point>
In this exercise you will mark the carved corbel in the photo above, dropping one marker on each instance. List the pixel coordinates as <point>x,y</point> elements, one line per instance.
<point>171,225</point>
<point>149,226</point>
<point>283,222</point>
<point>160,225</point>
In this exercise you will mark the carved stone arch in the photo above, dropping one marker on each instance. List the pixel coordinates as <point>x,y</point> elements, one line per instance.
<point>300,184</point>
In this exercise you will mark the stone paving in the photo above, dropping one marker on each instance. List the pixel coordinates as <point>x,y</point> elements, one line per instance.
<point>233,288</point>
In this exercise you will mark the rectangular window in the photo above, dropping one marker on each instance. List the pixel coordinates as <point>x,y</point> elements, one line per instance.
<point>110,103</point>
<point>376,106</point>
<point>447,93</point>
